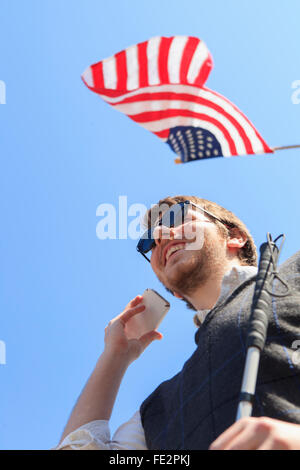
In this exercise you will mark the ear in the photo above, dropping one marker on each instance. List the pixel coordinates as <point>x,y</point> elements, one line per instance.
<point>177,295</point>
<point>237,239</point>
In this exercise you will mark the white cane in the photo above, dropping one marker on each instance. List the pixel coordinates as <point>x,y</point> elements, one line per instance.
<point>259,320</point>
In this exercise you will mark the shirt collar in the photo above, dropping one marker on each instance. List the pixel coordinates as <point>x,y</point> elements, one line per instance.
<point>231,280</point>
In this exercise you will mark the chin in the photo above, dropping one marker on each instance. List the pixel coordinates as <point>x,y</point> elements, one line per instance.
<point>183,272</point>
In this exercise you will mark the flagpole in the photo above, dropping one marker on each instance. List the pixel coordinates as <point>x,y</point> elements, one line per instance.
<point>286,147</point>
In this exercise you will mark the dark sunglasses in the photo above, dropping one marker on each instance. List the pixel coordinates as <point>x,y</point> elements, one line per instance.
<point>173,217</point>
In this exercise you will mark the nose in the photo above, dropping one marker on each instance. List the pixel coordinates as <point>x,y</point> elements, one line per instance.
<point>162,232</point>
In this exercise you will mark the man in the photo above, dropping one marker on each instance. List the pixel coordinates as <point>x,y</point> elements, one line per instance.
<point>216,278</point>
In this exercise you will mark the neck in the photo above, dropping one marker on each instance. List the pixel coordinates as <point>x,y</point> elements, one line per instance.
<point>206,296</point>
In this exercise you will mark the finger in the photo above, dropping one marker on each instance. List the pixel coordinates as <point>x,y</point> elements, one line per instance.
<point>127,314</point>
<point>248,439</point>
<point>272,442</point>
<point>134,302</point>
<point>147,338</point>
<point>268,444</point>
<point>226,437</point>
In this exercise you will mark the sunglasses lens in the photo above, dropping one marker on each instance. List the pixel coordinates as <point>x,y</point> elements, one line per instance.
<point>172,218</point>
<point>147,242</point>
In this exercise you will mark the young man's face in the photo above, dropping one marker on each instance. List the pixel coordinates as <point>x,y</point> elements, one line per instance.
<point>195,260</point>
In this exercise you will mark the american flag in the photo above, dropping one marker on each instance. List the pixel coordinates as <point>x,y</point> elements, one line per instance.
<point>160,85</point>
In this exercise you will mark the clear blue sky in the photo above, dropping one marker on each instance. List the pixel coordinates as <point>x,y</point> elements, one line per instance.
<point>64,152</point>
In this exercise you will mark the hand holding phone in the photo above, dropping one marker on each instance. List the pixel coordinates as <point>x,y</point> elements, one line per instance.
<point>156,309</point>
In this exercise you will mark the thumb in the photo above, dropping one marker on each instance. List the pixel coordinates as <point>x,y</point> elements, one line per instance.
<point>147,338</point>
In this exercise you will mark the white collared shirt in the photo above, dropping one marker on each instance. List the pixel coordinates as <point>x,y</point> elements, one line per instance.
<point>130,435</point>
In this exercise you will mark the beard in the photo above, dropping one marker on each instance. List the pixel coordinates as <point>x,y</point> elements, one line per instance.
<point>196,268</point>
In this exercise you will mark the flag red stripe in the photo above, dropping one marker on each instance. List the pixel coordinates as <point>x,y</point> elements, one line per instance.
<point>109,93</point>
<point>97,71</point>
<point>187,56</point>
<point>204,72</point>
<point>163,134</point>
<point>194,99</point>
<point>143,64</point>
<point>121,67</point>
<point>158,115</point>
<point>163,54</point>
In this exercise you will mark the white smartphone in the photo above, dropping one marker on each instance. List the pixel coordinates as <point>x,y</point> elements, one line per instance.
<point>156,308</point>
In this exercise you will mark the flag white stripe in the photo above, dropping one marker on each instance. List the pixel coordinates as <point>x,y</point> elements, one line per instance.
<point>88,77</point>
<point>163,124</point>
<point>175,58</point>
<point>199,57</point>
<point>132,109</point>
<point>110,73</point>
<point>132,68</point>
<point>203,93</point>
<point>152,55</point>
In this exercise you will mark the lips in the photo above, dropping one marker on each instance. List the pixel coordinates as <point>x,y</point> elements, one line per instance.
<point>167,248</point>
